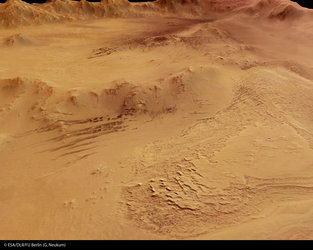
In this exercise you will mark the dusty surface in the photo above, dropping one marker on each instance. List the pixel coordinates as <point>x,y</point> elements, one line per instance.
<point>172,121</point>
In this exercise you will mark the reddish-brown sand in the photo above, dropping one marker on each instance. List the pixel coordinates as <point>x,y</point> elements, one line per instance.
<point>165,120</point>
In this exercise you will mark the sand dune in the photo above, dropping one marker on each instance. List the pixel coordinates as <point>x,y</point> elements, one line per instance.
<point>160,120</point>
